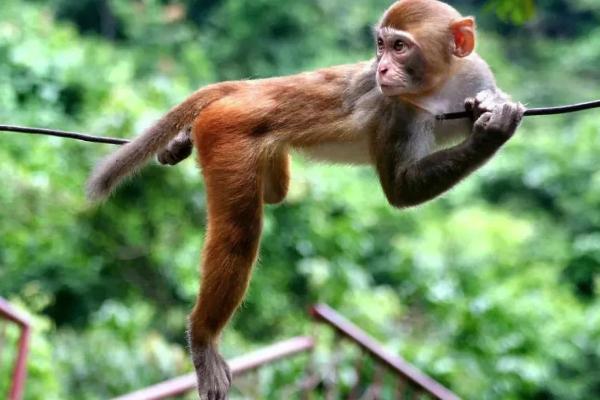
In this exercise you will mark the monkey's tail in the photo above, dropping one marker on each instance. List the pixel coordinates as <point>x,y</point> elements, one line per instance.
<point>132,156</point>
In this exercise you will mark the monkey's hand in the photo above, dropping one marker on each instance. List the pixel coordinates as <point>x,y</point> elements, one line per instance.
<point>177,150</point>
<point>212,372</point>
<point>496,119</point>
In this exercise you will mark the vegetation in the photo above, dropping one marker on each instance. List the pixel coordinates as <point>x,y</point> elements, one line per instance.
<point>492,289</point>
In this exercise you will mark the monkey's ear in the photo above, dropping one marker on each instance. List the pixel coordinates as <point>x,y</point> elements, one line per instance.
<point>463,31</point>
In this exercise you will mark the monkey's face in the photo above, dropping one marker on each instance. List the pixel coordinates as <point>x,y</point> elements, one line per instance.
<point>401,66</point>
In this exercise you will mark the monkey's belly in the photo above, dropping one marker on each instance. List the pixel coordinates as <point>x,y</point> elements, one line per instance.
<point>451,132</point>
<point>340,153</point>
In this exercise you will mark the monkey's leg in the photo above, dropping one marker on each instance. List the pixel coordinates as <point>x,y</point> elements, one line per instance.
<point>234,194</point>
<point>177,150</point>
<point>276,176</point>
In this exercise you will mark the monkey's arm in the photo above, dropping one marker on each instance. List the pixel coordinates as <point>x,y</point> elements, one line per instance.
<point>427,178</point>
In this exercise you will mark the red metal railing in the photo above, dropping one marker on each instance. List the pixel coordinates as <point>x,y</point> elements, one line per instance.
<point>17,386</point>
<point>408,376</point>
<point>406,373</point>
<point>398,366</point>
<point>239,366</point>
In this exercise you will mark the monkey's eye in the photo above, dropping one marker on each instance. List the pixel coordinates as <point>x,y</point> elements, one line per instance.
<point>380,44</point>
<point>400,46</point>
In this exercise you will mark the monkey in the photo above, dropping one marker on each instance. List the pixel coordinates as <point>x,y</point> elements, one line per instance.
<point>379,112</point>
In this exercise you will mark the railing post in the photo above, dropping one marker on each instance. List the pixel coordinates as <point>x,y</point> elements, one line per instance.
<point>19,375</point>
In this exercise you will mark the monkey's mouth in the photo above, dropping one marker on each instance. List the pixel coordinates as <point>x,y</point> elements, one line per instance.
<point>387,86</point>
<point>391,90</point>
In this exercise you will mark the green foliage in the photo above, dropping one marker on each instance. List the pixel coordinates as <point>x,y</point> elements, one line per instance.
<point>517,12</point>
<point>492,289</point>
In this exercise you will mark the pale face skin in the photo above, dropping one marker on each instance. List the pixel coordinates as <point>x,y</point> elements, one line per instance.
<point>401,65</point>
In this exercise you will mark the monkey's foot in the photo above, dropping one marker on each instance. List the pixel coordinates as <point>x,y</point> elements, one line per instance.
<point>212,372</point>
<point>177,150</point>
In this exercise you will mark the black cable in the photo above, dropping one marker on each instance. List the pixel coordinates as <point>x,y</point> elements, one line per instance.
<point>532,111</point>
<point>448,116</point>
<point>64,134</point>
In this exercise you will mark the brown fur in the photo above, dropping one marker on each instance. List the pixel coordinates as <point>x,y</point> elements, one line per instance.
<point>243,130</point>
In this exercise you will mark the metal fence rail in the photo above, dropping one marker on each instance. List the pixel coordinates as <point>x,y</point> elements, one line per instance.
<point>238,366</point>
<point>7,312</point>
<point>406,375</point>
<point>398,366</point>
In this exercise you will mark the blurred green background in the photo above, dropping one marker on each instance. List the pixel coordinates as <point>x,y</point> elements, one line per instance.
<point>492,289</point>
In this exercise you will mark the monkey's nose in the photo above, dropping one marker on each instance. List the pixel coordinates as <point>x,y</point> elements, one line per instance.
<point>383,70</point>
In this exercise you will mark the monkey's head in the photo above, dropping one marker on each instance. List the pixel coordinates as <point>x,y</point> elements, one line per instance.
<point>417,43</point>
